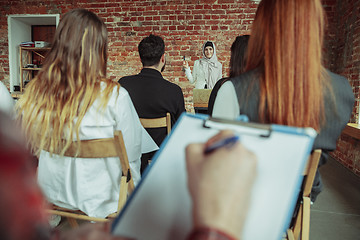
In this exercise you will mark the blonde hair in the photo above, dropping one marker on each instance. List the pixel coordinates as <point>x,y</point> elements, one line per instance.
<point>286,44</point>
<point>56,100</point>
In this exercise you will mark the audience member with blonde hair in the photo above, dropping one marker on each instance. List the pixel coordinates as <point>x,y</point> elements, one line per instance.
<point>71,99</point>
<point>285,81</point>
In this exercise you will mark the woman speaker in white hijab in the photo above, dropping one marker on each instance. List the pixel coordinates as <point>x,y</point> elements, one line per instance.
<point>207,70</point>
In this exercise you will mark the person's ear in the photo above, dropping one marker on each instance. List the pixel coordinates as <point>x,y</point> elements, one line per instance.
<point>163,58</point>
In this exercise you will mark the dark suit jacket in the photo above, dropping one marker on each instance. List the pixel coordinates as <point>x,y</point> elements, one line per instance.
<point>337,109</point>
<point>153,97</point>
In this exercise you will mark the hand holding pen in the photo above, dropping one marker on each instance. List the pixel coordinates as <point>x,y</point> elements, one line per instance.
<point>218,142</point>
<point>220,177</point>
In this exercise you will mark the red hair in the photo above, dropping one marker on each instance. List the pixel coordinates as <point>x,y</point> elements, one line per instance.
<point>286,43</point>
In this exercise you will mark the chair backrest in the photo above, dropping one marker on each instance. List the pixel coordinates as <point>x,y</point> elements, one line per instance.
<point>99,148</point>
<point>201,97</point>
<point>157,122</point>
<point>102,148</point>
<point>301,222</point>
<point>310,171</point>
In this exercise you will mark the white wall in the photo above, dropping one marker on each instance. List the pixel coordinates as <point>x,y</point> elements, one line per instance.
<point>19,30</point>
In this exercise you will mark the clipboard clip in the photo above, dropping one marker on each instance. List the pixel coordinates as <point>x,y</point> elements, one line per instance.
<point>248,128</point>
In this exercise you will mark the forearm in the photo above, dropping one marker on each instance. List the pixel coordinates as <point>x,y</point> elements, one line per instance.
<point>189,75</point>
<point>207,233</point>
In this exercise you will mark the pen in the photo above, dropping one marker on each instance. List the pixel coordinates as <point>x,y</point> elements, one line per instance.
<point>226,142</point>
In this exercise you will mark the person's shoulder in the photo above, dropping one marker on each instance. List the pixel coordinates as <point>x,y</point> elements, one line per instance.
<point>338,81</point>
<point>335,76</point>
<point>127,79</point>
<point>3,88</point>
<point>116,88</point>
<point>7,102</point>
<point>220,82</point>
<point>119,95</point>
<point>247,77</point>
<point>340,84</point>
<point>2,85</point>
<point>171,85</point>
<point>197,62</point>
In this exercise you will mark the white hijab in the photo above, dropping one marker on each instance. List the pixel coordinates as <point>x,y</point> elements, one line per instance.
<point>211,66</point>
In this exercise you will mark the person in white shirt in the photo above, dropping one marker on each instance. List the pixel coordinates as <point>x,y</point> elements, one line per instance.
<point>6,101</point>
<point>207,70</point>
<point>71,99</point>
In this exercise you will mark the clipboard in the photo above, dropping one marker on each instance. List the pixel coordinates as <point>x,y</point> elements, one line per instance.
<point>160,206</point>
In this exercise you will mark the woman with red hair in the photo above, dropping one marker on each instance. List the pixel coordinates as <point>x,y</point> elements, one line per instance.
<point>285,81</point>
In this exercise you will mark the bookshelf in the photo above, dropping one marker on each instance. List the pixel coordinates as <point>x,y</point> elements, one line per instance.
<point>28,65</point>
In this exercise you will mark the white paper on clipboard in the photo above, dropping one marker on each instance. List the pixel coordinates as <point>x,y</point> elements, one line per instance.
<point>160,206</point>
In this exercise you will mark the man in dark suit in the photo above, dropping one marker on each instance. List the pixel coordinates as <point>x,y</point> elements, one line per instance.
<point>152,95</point>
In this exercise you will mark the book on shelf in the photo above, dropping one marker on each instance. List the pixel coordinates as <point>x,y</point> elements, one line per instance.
<point>27,44</point>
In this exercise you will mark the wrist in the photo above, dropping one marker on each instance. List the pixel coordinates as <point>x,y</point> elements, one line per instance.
<point>209,233</point>
<point>229,220</point>
<point>55,234</point>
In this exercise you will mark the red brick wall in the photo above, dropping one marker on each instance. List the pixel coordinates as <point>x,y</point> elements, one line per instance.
<point>184,25</point>
<point>348,153</point>
<point>330,43</point>
<point>344,42</point>
<point>344,47</point>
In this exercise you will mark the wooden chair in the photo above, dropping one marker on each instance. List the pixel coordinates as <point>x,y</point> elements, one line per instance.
<point>301,224</point>
<point>157,122</point>
<point>100,148</point>
<point>201,100</point>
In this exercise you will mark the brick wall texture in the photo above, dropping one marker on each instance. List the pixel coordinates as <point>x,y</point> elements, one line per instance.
<point>343,57</point>
<point>185,25</point>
